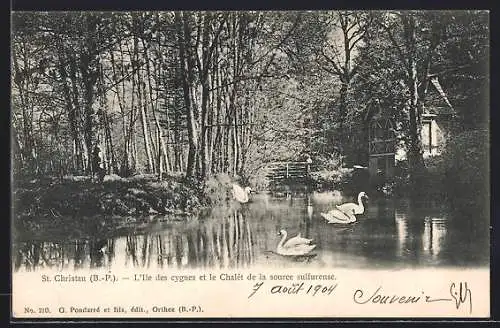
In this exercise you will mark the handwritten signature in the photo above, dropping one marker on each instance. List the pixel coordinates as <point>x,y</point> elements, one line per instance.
<point>460,294</point>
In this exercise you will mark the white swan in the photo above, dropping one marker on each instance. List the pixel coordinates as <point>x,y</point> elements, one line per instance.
<point>240,194</point>
<point>345,213</point>
<point>294,248</point>
<point>337,216</point>
<point>297,240</point>
<point>354,208</point>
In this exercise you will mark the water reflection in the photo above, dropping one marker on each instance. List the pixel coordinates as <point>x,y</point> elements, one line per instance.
<point>421,236</point>
<point>433,236</point>
<point>388,234</point>
<point>402,234</point>
<point>226,242</point>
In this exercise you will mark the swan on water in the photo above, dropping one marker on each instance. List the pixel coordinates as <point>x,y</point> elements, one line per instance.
<point>354,208</point>
<point>241,194</point>
<point>297,240</point>
<point>345,213</point>
<point>337,216</point>
<point>295,246</point>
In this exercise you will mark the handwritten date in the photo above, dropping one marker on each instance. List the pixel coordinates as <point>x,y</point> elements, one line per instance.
<point>296,289</point>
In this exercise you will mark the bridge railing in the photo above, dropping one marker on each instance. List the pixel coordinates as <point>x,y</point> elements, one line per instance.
<point>287,170</point>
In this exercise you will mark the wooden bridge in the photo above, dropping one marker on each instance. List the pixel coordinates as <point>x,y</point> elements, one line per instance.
<point>287,173</point>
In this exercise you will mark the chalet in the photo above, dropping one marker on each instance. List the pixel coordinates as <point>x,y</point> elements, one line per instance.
<point>384,149</point>
<point>436,120</point>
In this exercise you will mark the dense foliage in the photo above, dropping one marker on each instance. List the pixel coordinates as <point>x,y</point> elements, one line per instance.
<point>466,170</point>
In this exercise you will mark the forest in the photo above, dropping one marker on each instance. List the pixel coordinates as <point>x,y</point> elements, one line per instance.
<point>193,95</point>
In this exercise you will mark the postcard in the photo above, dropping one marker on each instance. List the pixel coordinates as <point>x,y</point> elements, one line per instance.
<point>250,164</point>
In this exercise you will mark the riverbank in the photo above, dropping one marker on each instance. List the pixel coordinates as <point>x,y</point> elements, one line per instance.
<point>80,196</point>
<point>82,206</point>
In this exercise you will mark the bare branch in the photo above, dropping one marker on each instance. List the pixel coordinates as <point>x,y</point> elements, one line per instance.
<point>353,43</point>
<point>271,49</point>
<point>395,43</point>
<point>336,67</point>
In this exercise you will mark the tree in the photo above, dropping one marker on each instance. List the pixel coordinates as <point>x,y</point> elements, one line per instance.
<point>349,29</point>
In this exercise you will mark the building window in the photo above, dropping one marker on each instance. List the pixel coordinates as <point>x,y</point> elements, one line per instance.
<point>427,136</point>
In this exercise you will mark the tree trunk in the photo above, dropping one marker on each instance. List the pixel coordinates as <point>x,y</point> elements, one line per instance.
<point>89,63</point>
<point>161,148</point>
<point>145,130</point>
<point>186,76</point>
<point>141,103</point>
<point>125,159</point>
<point>204,73</point>
<point>26,105</point>
<point>74,93</point>
<point>415,154</point>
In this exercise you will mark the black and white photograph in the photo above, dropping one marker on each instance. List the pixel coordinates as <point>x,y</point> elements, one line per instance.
<point>173,141</point>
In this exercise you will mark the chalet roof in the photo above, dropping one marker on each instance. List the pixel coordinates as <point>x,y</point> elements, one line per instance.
<point>431,110</point>
<point>437,102</point>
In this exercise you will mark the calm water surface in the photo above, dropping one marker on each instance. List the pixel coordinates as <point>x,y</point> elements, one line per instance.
<point>391,233</point>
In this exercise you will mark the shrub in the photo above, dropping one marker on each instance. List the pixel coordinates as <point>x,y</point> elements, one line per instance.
<point>259,180</point>
<point>332,179</point>
<point>401,178</point>
<point>331,175</point>
<point>331,162</point>
<point>114,177</point>
<point>218,188</point>
<point>466,170</point>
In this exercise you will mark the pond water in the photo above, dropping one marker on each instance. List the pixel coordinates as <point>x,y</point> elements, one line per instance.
<point>390,234</point>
